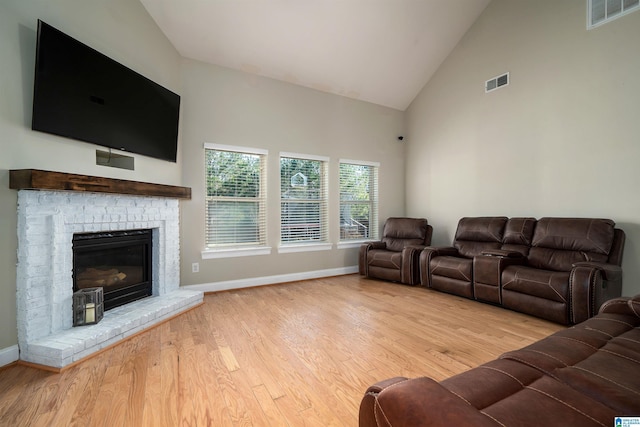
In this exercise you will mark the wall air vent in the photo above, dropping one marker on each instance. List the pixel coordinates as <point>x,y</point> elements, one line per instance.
<point>496,82</point>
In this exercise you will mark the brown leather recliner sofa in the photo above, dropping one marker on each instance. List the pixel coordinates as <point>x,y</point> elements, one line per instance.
<point>560,269</point>
<point>395,257</point>
<point>586,375</point>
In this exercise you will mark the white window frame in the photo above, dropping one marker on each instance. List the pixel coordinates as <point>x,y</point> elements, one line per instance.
<point>372,202</point>
<point>240,249</point>
<point>624,10</point>
<point>308,245</point>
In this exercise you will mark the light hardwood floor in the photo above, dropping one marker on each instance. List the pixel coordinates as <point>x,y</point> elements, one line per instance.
<point>296,354</point>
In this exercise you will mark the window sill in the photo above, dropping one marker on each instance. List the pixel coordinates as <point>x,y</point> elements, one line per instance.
<point>352,244</point>
<point>235,252</point>
<point>305,247</point>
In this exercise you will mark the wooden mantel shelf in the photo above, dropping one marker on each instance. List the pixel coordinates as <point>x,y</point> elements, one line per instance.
<point>33,179</point>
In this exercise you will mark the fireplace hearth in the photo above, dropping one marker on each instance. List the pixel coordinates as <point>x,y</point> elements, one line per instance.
<point>47,223</point>
<point>118,261</point>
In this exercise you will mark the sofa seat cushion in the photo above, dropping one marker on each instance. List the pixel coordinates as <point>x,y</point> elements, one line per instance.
<point>596,358</point>
<point>469,249</point>
<point>452,275</point>
<point>546,284</point>
<point>626,346</point>
<point>513,393</point>
<point>609,375</point>
<point>554,259</point>
<point>502,377</point>
<point>385,259</point>
<point>547,402</point>
<point>452,267</point>
<point>573,345</point>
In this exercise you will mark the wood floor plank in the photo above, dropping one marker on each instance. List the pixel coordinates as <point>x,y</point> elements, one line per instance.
<point>296,354</point>
<point>272,415</point>
<point>168,407</point>
<point>153,380</point>
<point>84,394</point>
<point>111,402</point>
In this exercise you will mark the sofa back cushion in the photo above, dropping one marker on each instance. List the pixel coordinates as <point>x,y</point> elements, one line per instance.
<point>400,232</point>
<point>559,242</point>
<point>477,234</point>
<point>518,234</point>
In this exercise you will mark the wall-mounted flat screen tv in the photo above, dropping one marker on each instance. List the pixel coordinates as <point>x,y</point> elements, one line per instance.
<point>82,94</point>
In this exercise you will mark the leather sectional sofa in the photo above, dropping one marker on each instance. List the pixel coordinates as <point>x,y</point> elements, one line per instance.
<point>560,269</point>
<point>586,375</point>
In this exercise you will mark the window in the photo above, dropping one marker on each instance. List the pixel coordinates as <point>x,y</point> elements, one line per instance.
<point>303,199</point>
<point>235,197</point>
<point>358,200</point>
<point>601,11</point>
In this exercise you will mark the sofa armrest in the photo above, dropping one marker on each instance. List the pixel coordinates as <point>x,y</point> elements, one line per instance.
<point>487,273</point>
<point>417,402</point>
<point>367,415</point>
<point>590,285</point>
<point>629,306</point>
<point>427,255</point>
<point>410,269</point>
<point>362,256</point>
<point>414,248</point>
<point>609,272</point>
<point>374,245</point>
<point>441,250</point>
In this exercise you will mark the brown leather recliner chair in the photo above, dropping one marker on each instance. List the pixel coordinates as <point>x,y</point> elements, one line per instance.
<point>395,256</point>
<point>450,269</point>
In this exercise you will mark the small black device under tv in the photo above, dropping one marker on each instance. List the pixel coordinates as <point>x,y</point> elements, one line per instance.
<point>82,94</point>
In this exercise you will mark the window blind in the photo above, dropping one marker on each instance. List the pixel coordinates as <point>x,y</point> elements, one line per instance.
<point>358,200</point>
<point>235,197</point>
<point>303,199</point>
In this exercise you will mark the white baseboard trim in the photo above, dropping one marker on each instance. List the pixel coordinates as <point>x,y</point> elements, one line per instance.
<point>9,355</point>
<point>270,280</point>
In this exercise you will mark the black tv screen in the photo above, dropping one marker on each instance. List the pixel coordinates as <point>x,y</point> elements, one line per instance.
<point>82,94</point>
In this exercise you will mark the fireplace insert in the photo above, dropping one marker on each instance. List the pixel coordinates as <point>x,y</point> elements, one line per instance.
<point>118,261</point>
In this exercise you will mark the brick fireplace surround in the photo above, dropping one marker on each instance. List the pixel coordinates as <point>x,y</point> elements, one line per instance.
<point>47,220</point>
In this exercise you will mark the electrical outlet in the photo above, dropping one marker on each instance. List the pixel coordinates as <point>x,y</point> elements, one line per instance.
<point>195,267</point>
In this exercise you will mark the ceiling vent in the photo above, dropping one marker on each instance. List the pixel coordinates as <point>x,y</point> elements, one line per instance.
<point>496,82</point>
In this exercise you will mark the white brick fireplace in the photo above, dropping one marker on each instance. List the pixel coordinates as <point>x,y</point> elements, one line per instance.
<point>47,221</point>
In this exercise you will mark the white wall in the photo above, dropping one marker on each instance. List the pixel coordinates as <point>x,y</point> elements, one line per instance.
<point>563,139</point>
<point>121,29</point>
<point>223,106</point>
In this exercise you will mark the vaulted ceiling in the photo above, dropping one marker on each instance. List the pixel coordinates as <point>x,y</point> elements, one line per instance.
<point>379,51</point>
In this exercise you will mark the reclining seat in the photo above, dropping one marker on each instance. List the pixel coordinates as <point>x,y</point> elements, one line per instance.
<point>450,269</point>
<point>395,257</point>
<point>573,266</point>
